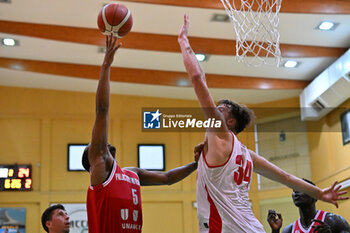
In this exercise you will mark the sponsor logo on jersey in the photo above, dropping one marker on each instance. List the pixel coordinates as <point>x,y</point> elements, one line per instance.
<point>124,177</point>
<point>135,215</point>
<point>124,213</point>
<point>131,226</point>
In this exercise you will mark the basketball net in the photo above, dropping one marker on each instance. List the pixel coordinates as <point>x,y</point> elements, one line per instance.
<point>256,27</point>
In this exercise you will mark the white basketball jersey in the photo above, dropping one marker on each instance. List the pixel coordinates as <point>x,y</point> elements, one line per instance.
<point>222,194</point>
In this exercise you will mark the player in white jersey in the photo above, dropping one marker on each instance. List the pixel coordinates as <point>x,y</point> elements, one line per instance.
<point>222,193</point>
<point>225,167</point>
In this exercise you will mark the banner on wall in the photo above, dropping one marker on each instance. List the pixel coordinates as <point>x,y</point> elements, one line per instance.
<point>12,220</point>
<point>77,217</point>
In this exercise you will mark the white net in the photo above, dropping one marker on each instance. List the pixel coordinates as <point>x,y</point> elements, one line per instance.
<point>256,26</point>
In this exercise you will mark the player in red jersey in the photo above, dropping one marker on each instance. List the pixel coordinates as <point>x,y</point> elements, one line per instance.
<point>114,200</point>
<point>311,219</point>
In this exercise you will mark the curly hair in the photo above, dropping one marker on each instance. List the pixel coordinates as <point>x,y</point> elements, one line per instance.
<point>244,116</point>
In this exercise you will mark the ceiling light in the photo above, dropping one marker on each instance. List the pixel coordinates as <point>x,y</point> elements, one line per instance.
<point>17,66</point>
<point>9,42</point>
<point>201,57</point>
<point>220,18</point>
<point>291,64</point>
<point>183,82</point>
<point>327,25</point>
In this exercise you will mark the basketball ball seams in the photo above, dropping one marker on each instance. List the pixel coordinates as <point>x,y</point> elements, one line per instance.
<point>121,24</point>
<point>115,14</point>
<point>108,27</point>
<point>116,18</point>
<point>113,18</point>
<point>111,10</point>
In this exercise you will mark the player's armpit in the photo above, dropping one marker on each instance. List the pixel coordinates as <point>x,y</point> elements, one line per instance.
<point>219,149</point>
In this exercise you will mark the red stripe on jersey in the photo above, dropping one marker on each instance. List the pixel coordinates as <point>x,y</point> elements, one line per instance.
<point>215,221</point>
<point>298,228</point>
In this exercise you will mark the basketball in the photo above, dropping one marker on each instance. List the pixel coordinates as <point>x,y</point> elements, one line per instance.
<point>116,18</point>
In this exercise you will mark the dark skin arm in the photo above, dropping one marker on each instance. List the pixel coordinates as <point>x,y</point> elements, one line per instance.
<point>100,159</point>
<point>163,178</point>
<point>332,224</point>
<point>322,228</point>
<point>170,177</point>
<point>288,229</point>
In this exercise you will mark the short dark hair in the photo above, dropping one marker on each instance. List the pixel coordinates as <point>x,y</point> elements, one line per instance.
<point>47,215</point>
<point>309,181</point>
<point>243,115</point>
<point>85,158</point>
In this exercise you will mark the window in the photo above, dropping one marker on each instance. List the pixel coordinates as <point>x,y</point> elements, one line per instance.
<point>75,154</point>
<point>345,126</point>
<point>284,142</point>
<point>151,157</point>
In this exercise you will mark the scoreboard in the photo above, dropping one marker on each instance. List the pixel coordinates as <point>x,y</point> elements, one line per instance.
<point>15,177</point>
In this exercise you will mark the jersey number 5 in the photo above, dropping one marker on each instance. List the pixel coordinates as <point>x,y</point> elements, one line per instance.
<point>134,197</point>
<point>242,174</point>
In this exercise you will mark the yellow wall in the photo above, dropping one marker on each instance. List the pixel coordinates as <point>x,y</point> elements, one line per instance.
<point>330,159</point>
<point>36,126</point>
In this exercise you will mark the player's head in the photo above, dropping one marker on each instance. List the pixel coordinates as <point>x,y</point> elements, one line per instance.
<point>302,199</point>
<point>237,116</point>
<point>85,158</point>
<point>55,219</point>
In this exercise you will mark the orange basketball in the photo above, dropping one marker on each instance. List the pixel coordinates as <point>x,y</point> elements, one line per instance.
<point>116,18</point>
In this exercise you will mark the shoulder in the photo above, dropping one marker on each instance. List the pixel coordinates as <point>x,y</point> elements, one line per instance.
<point>135,170</point>
<point>336,222</point>
<point>333,218</point>
<point>288,229</point>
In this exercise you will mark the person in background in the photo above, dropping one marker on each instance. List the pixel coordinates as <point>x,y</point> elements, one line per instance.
<point>55,219</point>
<point>311,219</point>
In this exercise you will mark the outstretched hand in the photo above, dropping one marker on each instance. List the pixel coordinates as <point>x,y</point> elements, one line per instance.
<point>184,29</point>
<point>111,48</point>
<point>332,194</point>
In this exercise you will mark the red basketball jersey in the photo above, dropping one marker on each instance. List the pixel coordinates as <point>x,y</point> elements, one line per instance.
<point>298,228</point>
<point>115,205</point>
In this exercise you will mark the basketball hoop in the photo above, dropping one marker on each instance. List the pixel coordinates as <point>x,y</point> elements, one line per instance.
<point>256,27</point>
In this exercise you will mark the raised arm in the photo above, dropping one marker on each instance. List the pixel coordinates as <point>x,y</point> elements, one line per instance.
<point>271,171</point>
<point>219,141</point>
<point>99,156</point>
<point>194,69</point>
